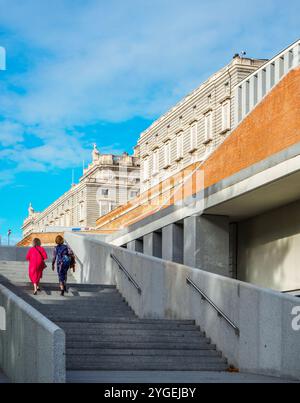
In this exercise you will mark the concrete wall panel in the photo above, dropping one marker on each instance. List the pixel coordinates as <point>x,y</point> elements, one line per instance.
<point>32,349</point>
<point>269,249</point>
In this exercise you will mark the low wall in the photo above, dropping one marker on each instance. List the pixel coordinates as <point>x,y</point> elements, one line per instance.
<point>267,343</point>
<point>18,254</point>
<point>47,238</point>
<point>32,349</point>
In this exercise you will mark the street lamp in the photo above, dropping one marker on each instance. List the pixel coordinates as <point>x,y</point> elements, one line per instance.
<point>8,236</point>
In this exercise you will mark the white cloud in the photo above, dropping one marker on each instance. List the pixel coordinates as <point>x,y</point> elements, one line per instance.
<point>94,60</point>
<point>114,60</point>
<point>10,133</point>
<point>6,177</point>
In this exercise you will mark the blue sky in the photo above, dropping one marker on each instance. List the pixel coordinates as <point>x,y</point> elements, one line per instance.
<point>85,71</point>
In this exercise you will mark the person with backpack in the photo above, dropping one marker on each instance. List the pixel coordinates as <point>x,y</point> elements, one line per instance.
<point>64,259</point>
<point>36,257</point>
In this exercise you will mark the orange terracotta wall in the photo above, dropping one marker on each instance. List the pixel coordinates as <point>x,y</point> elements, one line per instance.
<point>47,238</point>
<point>273,126</point>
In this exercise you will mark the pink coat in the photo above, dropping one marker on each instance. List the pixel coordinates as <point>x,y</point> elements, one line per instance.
<point>36,256</point>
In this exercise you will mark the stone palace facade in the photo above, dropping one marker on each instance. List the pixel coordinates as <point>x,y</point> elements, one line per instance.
<point>194,127</point>
<point>108,182</point>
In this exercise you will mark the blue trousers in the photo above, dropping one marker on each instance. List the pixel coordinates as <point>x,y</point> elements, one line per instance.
<point>62,271</point>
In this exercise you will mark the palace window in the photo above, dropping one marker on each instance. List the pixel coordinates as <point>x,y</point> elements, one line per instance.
<point>81,211</point>
<point>167,154</point>
<point>179,152</point>
<point>155,161</point>
<point>208,126</point>
<point>105,208</point>
<point>133,194</point>
<point>145,171</point>
<point>226,115</point>
<point>68,219</point>
<point>105,192</point>
<point>193,136</point>
<point>180,120</point>
<point>226,88</point>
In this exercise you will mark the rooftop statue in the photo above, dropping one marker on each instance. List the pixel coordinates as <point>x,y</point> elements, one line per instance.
<point>30,210</point>
<point>95,153</point>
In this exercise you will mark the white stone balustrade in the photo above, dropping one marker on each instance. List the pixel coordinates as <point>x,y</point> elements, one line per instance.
<point>250,91</point>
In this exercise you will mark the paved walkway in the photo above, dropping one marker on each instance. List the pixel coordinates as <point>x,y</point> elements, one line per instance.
<point>167,377</point>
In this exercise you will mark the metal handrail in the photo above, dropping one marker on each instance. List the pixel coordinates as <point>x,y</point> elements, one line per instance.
<point>128,275</point>
<point>285,292</point>
<point>220,313</point>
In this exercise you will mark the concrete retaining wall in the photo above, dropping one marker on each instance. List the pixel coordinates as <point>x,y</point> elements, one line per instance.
<point>32,349</point>
<point>18,254</point>
<point>267,343</point>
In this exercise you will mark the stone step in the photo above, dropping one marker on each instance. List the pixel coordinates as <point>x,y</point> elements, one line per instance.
<point>142,365</point>
<point>150,359</point>
<point>93,288</point>
<point>174,333</point>
<point>202,343</point>
<point>71,301</point>
<point>28,285</point>
<point>133,338</point>
<point>129,326</point>
<point>88,312</point>
<point>25,279</point>
<point>68,306</point>
<point>24,276</point>
<point>83,318</point>
<point>52,287</point>
<point>126,321</point>
<point>203,352</point>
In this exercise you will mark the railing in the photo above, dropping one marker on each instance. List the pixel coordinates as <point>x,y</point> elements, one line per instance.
<point>288,291</point>
<point>250,91</point>
<point>127,274</point>
<point>219,311</point>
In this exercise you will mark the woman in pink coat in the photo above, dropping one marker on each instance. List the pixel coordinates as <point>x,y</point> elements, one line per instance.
<point>36,256</point>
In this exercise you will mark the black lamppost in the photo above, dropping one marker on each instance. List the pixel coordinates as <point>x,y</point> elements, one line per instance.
<point>8,236</point>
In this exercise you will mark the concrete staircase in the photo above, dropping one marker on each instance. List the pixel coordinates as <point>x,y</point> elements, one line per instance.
<point>104,334</point>
<point>17,272</point>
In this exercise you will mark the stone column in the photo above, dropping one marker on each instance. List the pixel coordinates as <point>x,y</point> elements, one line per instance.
<point>261,84</point>
<point>296,56</point>
<point>237,106</point>
<point>206,243</point>
<point>153,244</point>
<point>287,61</point>
<point>245,98</point>
<point>270,76</point>
<point>252,92</point>
<point>172,243</point>
<point>278,69</point>
<point>136,246</point>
